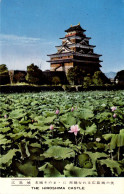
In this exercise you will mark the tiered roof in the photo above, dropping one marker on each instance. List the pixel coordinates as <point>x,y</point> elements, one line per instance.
<point>75,28</point>
<point>75,37</point>
<point>76,44</point>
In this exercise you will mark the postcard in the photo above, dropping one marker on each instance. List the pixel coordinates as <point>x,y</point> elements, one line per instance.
<point>61,96</point>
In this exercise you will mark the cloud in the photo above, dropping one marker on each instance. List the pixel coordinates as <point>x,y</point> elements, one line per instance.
<point>14,39</point>
<point>19,51</point>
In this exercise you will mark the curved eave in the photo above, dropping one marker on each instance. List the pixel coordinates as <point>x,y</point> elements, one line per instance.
<point>74,37</point>
<point>76,45</point>
<point>75,54</point>
<point>72,60</point>
<point>75,28</point>
<point>88,54</point>
<point>78,30</point>
<point>71,53</point>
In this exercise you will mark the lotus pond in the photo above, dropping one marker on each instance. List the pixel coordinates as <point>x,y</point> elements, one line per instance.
<point>59,134</point>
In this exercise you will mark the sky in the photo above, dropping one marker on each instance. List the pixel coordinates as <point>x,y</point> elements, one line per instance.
<point>30,29</point>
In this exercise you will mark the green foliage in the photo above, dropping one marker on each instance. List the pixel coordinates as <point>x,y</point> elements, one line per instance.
<point>50,171</point>
<point>87,81</point>
<point>112,165</point>
<point>27,169</point>
<point>76,75</point>
<point>86,114</point>
<point>7,158</point>
<point>34,74</point>
<point>4,75</point>
<point>95,156</point>
<point>3,68</point>
<point>73,171</point>
<point>120,76</point>
<point>56,80</point>
<point>90,130</point>
<point>19,76</point>
<point>99,79</point>
<point>84,161</point>
<point>67,120</point>
<point>29,148</point>
<point>117,140</point>
<point>59,153</point>
<point>17,114</point>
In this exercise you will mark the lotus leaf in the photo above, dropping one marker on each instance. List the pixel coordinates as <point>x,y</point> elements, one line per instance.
<point>112,165</point>
<point>59,153</point>
<point>7,158</point>
<point>91,129</point>
<point>28,169</point>
<point>86,114</point>
<point>95,156</point>
<point>50,171</point>
<point>73,171</point>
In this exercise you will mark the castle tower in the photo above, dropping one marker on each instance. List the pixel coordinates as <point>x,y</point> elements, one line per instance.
<point>75,50</point>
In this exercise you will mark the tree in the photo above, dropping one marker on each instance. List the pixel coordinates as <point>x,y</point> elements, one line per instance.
<point>4,75</point>
<point>19,76</point>
<point>3,69</point>
<point>76,75</point>
<point>87,81</point>
<point>56,80</point>
<point>120,77</point>
<point>100,79</point>
<point>34,74</point>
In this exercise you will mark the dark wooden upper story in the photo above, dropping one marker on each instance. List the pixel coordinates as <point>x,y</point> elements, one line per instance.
<point>75,28</point>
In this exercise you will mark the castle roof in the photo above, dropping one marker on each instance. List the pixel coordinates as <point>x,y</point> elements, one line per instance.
<point>75,53</point>
<point>75,60</point>
<point>75,28</point>
<point>77,45</point>
<point>76,37</point>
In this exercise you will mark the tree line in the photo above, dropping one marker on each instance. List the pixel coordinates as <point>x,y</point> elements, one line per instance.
<point>75,76</point>
<point>33,75</point>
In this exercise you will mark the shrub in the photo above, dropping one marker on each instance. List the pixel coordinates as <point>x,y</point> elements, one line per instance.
<point>56,80</point>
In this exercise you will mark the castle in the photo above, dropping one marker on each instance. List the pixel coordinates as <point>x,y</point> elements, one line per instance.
<point>75,50</point>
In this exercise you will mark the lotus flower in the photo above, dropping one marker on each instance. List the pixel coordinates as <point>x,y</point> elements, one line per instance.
<point>74,129</point>
<point>72,109</point>
<point>51,127</point>
<point>113,108</point>
<point>5,116</point>
<point>114,115</point>
<point>57,112</point>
